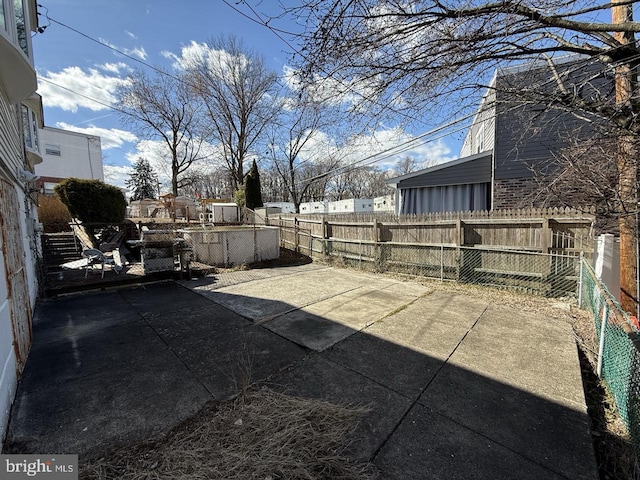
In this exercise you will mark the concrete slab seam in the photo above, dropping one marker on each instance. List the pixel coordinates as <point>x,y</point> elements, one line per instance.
<point>373,380</point>
<point>204,294</point>
<point>264,320</point>
<point>107,288</point>
<point>189,369</point>
<point>493,440</point>
<point>435,375</point>
<point>290,274</point>
<point>401,308</point>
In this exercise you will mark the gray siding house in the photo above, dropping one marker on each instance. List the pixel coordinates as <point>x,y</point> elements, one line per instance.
<point>509,143</point>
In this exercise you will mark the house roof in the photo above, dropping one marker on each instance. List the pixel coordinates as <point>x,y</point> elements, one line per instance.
<point>534,64</point>
<point>441,166</point>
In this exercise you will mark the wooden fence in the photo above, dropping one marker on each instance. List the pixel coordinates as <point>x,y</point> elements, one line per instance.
<point>557,230</point>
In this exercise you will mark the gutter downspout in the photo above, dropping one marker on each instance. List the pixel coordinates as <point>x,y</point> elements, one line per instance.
<point>89,153</point>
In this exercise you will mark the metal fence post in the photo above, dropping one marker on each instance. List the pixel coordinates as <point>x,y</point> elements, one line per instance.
<point>580,280</point>
<point>442,263</point>
<point>603,327</point>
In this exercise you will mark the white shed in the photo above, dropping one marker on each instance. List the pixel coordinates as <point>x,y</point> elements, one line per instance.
<point>220,213</point>
<point>383,204</point>
<point>351,205</point>
<point>313,207</point>
<point>285,207</point>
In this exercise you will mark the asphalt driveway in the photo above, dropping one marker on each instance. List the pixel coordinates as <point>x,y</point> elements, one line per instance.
<point>459,387</point>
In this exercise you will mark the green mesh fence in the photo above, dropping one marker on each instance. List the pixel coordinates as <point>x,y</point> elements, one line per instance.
<point>618,353</point>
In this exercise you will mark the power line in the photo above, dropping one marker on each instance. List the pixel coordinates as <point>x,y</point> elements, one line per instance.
<point>277,32</point>
<point>370,159</point>
<point>111,47</point>
<point>99,102</point>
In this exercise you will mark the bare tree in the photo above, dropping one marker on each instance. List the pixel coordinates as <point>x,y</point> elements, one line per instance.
<point>359,182</point>
<point>406,165</point>
<point>411,57</point>
<point>237,90</point>
<point>273,188</point>
<point>582,174</point>
<point>163,108</point>
<point>298,142</point>
<point>212,182</point>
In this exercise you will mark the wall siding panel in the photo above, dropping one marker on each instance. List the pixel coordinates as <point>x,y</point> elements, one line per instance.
<point>526,135</point>
<point>11,151</point>
<point>473,171</point>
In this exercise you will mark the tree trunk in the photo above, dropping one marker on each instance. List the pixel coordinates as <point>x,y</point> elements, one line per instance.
<point>627,170</point>
<point>174,178</point>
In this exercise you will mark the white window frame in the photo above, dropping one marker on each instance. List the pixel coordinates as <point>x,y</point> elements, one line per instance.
<point>479,143</point>
<point>10,30</point>
<point>30,125</point>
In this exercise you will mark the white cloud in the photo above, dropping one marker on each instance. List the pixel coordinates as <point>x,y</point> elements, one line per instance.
<point>131,35</point>
<point>138,52</point>
<point>116,174</point>
<point>114,67</point>
<point>79,88</point>
<point>156,153</point>
<point>330,90</point>
<point>189,55</point>
<point>110,137</point>
<point>218,61</point>
<point>384,148</point>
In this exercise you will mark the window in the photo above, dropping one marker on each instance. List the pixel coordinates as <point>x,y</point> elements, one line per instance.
<point>480,139</point>
<point>52,149</point>
<point>21,26</point>
<point>3,21</point>
<point>14,23</point>
<point>30,126</point>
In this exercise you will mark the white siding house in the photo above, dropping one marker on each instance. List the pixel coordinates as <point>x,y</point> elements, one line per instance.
<point>313,207</point>
<point>285,207</point>
<point>68,154</point>
<point>20,117</point>
<point>385,204</point>
<point>351,205</point>
<point>481,135</point>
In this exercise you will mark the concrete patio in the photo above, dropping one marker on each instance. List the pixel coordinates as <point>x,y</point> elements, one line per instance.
<point>459,387</point>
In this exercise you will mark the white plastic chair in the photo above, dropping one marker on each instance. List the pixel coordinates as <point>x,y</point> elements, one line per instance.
<point>96,257</point>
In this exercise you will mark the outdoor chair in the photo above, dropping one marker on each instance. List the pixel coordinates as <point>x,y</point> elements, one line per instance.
<point>96,257</point>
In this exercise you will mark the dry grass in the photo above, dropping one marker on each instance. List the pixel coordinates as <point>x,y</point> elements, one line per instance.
<point>262,435</point>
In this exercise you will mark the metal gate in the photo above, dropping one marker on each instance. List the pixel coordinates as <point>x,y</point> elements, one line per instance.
<point>15,272</point>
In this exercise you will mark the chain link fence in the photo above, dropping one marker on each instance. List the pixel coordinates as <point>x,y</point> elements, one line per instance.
<point>618,349</point>
<point>551,275</point>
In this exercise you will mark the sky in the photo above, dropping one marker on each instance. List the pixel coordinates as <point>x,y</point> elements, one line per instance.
<point>78,77</point>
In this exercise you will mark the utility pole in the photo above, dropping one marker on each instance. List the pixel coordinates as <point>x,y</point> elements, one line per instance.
<point>625,87</point>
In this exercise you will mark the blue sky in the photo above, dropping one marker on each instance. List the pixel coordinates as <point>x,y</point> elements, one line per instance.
<point>151,31</point>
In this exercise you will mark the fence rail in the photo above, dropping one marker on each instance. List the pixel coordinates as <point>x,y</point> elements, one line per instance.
<point>560,272</point>
<point>548,274</point>
<point>563,231</point>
